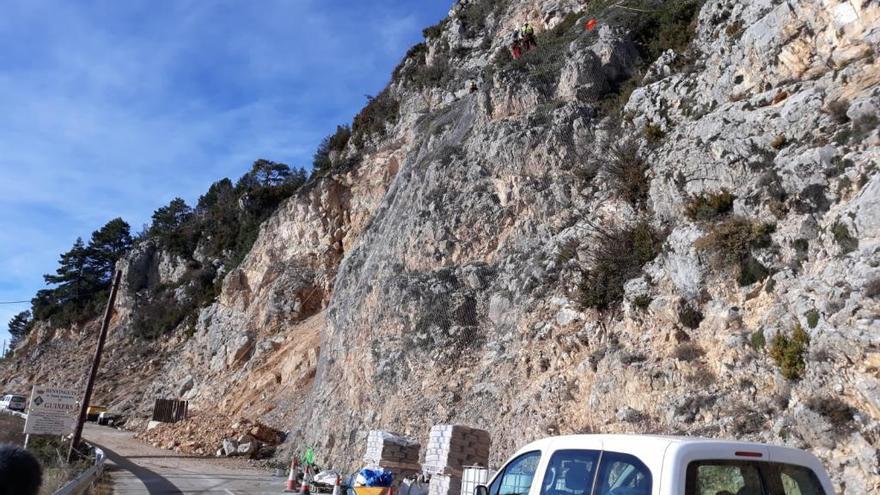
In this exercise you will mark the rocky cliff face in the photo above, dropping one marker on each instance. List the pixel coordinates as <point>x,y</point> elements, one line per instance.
<point>447,271</point>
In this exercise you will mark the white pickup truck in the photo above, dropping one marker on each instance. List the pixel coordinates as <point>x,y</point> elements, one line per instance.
<point>13,402</point>
<point>657,465</point>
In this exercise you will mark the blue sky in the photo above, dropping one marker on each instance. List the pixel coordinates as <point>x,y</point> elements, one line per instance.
<point>113,108</point>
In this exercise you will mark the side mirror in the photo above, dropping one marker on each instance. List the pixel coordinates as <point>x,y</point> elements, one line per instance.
<point>481,490</point>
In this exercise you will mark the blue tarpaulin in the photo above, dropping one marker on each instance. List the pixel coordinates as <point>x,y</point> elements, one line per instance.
<point>374,477</point>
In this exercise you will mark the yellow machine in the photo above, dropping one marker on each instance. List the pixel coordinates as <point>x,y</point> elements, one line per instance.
<point>92,412</point>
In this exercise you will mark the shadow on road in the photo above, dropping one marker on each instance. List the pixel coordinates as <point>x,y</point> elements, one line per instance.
<point>156,484</point>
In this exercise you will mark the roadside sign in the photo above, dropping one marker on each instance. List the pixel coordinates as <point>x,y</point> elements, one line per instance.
<point>52,411</point>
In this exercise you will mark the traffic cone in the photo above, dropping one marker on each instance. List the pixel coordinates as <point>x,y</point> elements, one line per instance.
<point>304,487</point>
<point>336,487</point>
<point>291,478</point>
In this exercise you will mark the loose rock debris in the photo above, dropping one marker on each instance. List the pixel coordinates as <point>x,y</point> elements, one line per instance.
<point>217,435</point>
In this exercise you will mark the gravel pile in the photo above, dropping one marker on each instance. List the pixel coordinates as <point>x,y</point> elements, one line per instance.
<point>207,434</point>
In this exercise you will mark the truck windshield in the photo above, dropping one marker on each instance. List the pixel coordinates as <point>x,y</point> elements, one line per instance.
<point>716,477</point>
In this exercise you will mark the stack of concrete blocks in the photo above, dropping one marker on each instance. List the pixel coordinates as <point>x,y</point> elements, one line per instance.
<point>395,453</point>
<point>451,448</point>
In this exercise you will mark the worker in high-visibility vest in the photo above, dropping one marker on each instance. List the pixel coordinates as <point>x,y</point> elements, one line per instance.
<point>528,36</point>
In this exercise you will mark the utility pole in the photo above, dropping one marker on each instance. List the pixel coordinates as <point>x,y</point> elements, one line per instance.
<point>96,362</point>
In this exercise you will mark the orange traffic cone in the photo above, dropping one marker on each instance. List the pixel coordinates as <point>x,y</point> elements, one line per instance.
<point>291,478</point>
<point>304,487</point>
<point>336,488</point>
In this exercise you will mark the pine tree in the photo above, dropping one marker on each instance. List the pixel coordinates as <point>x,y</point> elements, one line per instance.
<point>270,174</point>
<point>74,277</point>
<point>19,326</point>
<point>297,178</point>
<point>171,217</point>
<point>173,229</point>
<point>106,247</point>
<point>220,217</point>
<point>220,194</point>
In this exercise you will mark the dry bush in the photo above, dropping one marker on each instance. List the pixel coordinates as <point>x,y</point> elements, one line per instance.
<point>746,421</point>
<point>838,413</point>
<point>778,142</point>
<point>710,206</point>
<point>627,170</point>
<point>618,255</point>
<point>702,377</point>
<point>653,133</point>
<point>688,351</point>
<point>689,316</point>
<point>730,243</point>
<point>837,110</point>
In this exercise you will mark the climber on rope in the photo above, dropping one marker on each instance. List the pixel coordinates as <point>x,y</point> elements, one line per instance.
<point>528,37</point>
<point>516,46</point>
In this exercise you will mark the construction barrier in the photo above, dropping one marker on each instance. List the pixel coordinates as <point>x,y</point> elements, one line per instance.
<point>170,411</point>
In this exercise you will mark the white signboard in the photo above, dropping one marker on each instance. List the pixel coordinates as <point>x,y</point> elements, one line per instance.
<point>52,411</point>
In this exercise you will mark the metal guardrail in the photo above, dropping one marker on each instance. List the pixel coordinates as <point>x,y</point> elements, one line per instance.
<point>86,479</point>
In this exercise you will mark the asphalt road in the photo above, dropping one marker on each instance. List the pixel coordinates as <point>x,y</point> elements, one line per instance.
<point>137,468</point>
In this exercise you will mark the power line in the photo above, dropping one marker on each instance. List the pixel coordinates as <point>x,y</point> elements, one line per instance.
<point>14,302</point>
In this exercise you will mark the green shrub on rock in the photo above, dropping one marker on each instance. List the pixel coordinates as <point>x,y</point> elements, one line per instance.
<point>381,110</point>
<point>653,133</point>
<point>334,143</point>
<point>758,340</point>
<point>844,239</point>
<point>642,301</point>
<point>435,31</point>
<point>812,317</point>
<point>789,352</point>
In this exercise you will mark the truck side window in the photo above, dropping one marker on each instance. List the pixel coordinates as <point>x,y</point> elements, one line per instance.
<point>797,480</point>
<point>622,474</point>
<point>517,476</point>
<point>570,472</point>
<point>723,478</point>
